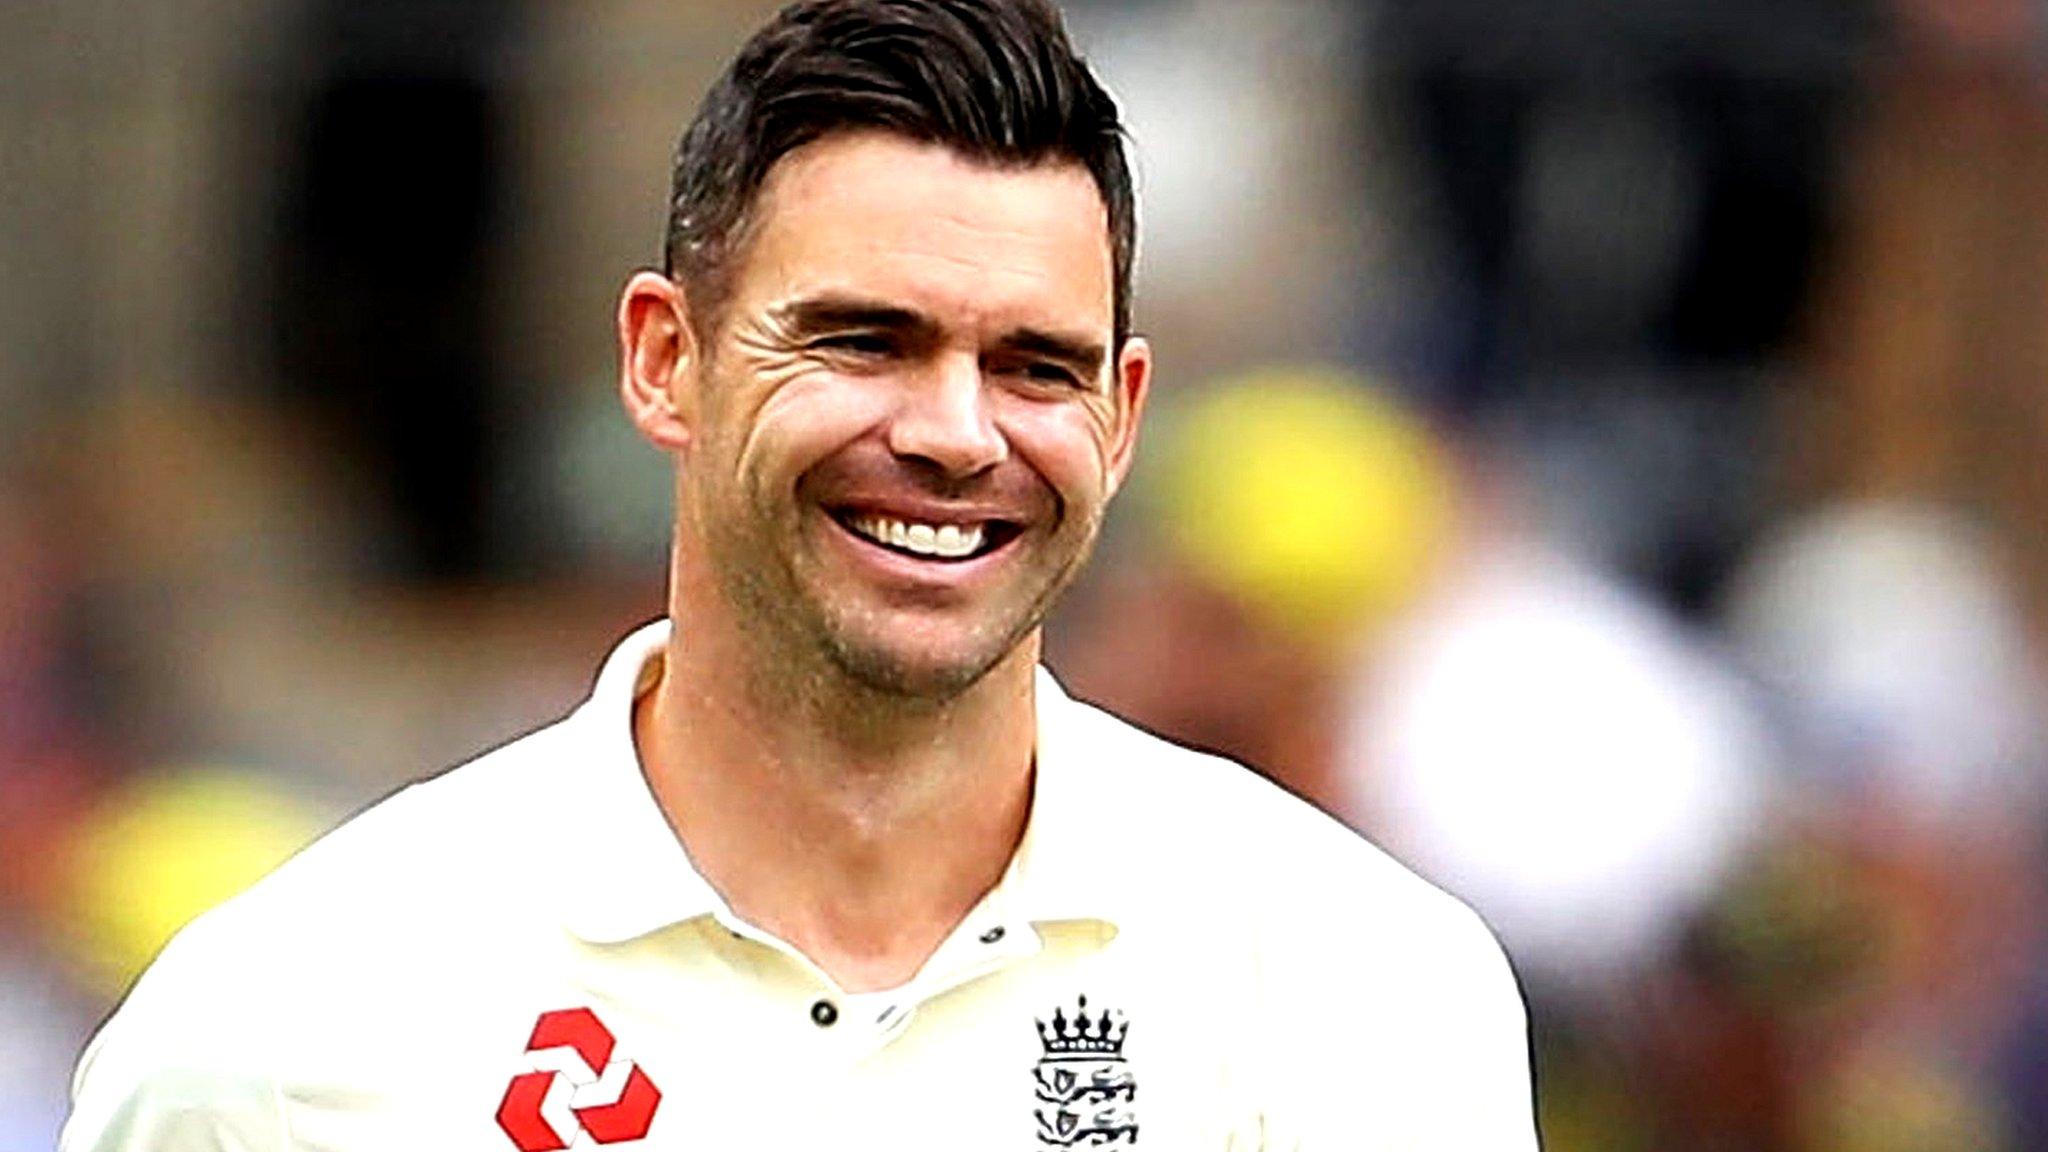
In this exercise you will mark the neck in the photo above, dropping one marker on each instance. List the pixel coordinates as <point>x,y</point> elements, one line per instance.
<point>859,830</point>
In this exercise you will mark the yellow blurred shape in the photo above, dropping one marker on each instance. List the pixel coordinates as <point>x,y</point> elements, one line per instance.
<point>1312,496</point>
<point>164,849</point>
<point>1892,1100</point>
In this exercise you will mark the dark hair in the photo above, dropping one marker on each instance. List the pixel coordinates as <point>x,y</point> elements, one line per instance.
<point>994,80</point>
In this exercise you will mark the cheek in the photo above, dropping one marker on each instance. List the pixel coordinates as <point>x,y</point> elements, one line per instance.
<point>1067,444</point>
<point>804,421</point>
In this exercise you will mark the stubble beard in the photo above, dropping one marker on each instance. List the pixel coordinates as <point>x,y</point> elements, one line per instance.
<point>821,650</point>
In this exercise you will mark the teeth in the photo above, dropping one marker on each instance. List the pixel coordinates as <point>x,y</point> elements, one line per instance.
<point>948,541</point>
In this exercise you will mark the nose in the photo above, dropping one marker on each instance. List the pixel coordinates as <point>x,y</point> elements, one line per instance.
<point>944,418</point>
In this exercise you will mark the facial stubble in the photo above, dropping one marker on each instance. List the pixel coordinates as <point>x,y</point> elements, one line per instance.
<point>812,642</point>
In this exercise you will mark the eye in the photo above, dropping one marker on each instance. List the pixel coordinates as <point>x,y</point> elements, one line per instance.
<point>1051,373</point>
<point>1044,373</point>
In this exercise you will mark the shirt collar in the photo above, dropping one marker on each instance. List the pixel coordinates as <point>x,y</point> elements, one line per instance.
<point>632,876</point>
<point>630,873</point>
<point>1066,866</point>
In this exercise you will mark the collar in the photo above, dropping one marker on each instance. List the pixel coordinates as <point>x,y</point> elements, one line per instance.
<point>630,873</point>
<point>632,876</point>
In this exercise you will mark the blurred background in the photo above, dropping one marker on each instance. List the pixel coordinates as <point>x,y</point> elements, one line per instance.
<point>1598,453</point>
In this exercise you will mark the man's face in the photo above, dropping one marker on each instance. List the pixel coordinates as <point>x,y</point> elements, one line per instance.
<point>910,416</point>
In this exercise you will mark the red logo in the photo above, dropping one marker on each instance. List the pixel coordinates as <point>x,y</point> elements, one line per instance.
<point>576,1086</point>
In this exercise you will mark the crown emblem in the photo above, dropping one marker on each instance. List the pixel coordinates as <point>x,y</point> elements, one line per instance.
<point>1084,1037</point>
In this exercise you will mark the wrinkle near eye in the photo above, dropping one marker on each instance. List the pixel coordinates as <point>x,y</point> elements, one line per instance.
<point>764,333</point>
<point>767,360</point>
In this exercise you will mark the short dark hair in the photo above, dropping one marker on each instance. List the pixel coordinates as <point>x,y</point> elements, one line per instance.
<point>994,80</point>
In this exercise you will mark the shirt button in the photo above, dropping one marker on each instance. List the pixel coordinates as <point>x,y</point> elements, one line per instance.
<point>992,935</point>
<point>824,1013</point>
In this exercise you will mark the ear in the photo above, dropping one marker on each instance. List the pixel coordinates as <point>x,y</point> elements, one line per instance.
<point>1133,383</point>
<point>657,360</point>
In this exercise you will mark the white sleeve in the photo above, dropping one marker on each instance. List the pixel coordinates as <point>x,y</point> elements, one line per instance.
<point>1430,1054</point>
<point>1471,1084</point>
<point>172,1071</point>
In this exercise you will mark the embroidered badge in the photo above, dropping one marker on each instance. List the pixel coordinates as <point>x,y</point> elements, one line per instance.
<point>1085,1089</point>
<point>576,1087</point>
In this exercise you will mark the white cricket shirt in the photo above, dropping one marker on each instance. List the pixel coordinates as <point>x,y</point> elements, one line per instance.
<point>518,955</point>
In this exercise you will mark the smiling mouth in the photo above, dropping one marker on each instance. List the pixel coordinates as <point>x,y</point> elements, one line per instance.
<point>943,543</point>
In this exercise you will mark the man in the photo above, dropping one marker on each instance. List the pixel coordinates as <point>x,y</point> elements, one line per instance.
<point>827,861</point>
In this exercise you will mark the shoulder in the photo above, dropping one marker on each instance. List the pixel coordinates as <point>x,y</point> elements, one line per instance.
<point>350,929</point>
<point>440,856</point>
<point>1340,934</point>
<point>1258,848</point>
<point>1383,1007</point>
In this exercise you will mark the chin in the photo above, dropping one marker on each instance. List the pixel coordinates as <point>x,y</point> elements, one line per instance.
<point>936,677</point>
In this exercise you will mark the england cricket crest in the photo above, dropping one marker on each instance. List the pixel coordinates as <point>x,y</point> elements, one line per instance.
<point>1085,1090</point>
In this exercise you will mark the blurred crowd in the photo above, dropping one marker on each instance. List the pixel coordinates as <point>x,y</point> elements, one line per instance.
<point>1597,454</point>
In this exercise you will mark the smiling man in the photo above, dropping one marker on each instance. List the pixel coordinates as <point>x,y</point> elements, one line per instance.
<point>827,860</point>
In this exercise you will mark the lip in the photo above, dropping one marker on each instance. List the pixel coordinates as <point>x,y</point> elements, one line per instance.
<point>893,567</point>
<point>923,511</point>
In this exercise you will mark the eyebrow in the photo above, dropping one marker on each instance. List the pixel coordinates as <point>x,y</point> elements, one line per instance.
<point>1084,354</point>
<point>829,313</point>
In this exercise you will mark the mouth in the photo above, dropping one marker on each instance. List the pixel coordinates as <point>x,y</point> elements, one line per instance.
<point>935,542</point>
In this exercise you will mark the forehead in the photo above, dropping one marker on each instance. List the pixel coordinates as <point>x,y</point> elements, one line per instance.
<point>881,215</point>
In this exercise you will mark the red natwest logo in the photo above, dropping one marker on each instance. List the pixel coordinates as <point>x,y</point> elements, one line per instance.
<point>576,1086</point>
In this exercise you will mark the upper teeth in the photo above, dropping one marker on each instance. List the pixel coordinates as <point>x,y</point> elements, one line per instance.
<point>951,541</point>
